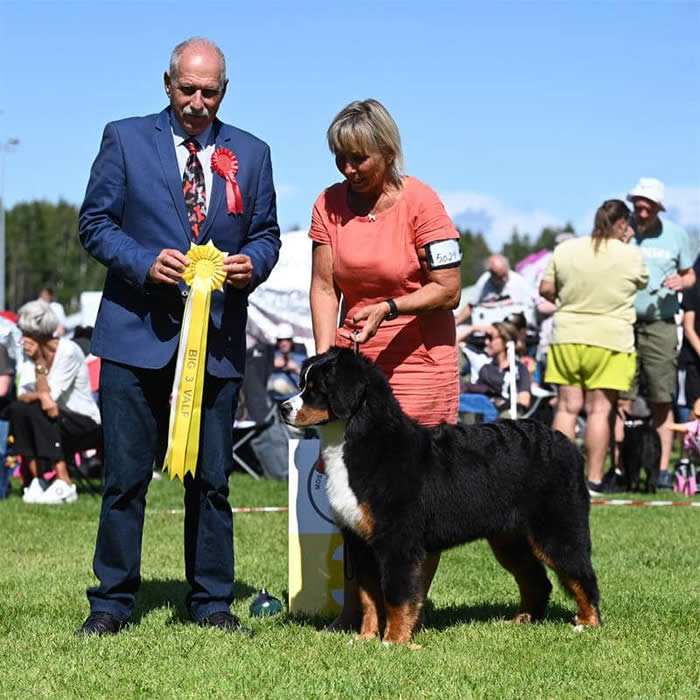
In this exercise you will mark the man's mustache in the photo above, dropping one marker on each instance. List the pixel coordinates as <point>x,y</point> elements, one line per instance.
<point>188,111</point>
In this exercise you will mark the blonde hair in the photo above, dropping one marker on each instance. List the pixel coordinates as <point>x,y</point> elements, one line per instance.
<point>506,330</point>
<point>368,126</point>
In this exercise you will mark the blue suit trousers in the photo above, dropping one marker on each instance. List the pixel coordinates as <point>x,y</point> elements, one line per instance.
<point>135,414</point>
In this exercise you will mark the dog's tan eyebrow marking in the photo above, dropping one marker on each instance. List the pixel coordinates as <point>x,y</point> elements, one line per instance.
<point>303,378</point>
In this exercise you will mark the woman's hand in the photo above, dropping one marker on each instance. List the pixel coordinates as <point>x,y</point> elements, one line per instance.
<point>31,348</point>
<point>372,315</point>
<point>48,405</point>
<point>627,234</point>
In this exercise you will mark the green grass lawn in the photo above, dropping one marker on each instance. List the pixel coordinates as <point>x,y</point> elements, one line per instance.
<point>647,561</point>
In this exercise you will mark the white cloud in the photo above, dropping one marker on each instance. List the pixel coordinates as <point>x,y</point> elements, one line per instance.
<point>496,220</point>
<point>491,216</point>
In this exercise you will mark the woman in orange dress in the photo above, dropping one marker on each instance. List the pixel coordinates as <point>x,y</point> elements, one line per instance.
<point>384,244</point>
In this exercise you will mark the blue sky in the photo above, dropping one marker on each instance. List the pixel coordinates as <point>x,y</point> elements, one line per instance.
<point>518,113</point>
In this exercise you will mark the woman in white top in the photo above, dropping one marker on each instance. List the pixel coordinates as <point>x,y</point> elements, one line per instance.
<point>55,409</point>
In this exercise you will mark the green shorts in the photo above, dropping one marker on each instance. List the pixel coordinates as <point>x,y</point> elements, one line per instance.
<point>589,367</point>
<point>656,343</point>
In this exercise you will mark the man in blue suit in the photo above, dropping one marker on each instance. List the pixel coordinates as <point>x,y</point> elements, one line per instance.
<point>151,193</point>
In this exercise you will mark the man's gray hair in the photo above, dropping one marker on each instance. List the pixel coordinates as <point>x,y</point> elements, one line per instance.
<point>195,42</point>
<point>36,318</point>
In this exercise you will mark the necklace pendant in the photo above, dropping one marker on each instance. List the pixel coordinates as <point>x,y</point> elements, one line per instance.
<point>372,218</point>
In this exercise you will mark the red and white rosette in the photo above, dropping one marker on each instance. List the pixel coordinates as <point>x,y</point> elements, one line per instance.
<point>225,164</point>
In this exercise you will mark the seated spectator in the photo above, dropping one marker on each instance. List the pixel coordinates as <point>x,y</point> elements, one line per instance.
<point>54,409</point>
<point>287,361</point>
<point>499,282</point>
<point>494,377</point>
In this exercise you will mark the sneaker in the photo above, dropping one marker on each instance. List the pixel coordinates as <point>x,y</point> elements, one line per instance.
<point>33,492</point>
<point>614,482</point>
<point>595,488</point>
<point>59,492</point>
<point>664,480</point>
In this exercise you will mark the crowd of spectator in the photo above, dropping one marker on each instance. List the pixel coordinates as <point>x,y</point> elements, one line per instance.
<point>608,311</point>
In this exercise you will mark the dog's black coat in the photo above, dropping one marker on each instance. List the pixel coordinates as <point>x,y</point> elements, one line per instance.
<point>516,483</point>
<point>641,449</point>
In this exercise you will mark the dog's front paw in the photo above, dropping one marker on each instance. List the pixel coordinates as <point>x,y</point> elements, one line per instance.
<point>367,636</point>
<point>580,623</point>
<point>522,618</point>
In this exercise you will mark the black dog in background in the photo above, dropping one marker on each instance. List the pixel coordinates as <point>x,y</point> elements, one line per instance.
<point>641,449</point>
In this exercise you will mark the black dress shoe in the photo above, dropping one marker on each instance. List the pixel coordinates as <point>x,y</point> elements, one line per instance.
<point>100,624</point>
<point>225,621</point>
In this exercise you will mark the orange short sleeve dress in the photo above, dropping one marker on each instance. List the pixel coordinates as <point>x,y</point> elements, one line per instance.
<point>377,257</point>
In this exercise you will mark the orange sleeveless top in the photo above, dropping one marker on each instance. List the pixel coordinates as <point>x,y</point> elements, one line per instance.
<point>376,258</point>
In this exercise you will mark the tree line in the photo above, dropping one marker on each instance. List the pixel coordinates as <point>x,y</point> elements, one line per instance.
<point>475,249</point>
<point>42,247</point>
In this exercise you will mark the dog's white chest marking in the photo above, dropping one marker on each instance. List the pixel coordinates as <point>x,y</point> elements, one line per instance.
<point>341,497</point>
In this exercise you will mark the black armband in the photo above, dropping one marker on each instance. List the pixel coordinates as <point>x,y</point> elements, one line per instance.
<point>441,255</point>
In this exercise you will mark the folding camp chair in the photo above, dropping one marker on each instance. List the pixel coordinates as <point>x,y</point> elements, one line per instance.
<point>243,432</point>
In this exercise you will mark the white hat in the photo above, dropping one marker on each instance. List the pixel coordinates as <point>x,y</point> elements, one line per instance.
<point>285,331</point>
<point>649,188</point>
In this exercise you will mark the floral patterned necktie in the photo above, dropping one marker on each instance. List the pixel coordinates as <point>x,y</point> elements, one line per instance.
<point>194,189</point>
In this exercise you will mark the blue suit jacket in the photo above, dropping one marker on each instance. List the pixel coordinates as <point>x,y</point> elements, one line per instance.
<point>134,207</point>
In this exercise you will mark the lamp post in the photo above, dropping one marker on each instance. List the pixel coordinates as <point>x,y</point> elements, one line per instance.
<point>6,147</point>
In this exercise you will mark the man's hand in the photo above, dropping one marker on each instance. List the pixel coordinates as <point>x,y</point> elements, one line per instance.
<point>168,267</point>
<point>239,270</point>
<point>674,282</point>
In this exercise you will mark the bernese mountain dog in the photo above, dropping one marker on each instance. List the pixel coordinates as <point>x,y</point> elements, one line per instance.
<point>399,490</point>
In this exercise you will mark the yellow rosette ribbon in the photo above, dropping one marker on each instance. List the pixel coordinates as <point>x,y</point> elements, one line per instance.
<point>204,274</point>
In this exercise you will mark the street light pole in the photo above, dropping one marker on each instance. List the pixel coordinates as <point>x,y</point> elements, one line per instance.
<point>6,147</point>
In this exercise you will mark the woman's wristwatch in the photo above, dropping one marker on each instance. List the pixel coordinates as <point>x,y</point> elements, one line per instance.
<point>41,369</point>
<point>393,310</point>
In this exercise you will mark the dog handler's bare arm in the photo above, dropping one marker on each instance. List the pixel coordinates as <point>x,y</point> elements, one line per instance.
<point>324,297</point>
<point>441,291</point>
